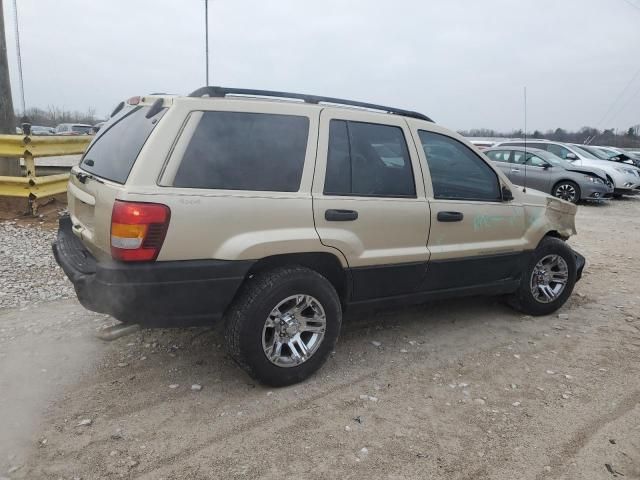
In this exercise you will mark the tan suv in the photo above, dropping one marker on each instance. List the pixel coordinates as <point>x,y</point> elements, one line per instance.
<point>276,212</point>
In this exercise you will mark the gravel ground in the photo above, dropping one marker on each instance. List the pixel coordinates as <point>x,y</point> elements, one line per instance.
<point>465,390</point>
<point>28,270</point>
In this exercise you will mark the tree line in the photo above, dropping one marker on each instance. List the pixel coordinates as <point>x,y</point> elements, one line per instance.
<point>590,135</point>
<point>53,116</point>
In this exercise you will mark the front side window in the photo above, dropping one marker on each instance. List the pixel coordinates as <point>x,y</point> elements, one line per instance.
<point>368,159</point>
<point>245,151</point>
<point>457,173</point>
<point>558,150</point>
<point>533,160</point>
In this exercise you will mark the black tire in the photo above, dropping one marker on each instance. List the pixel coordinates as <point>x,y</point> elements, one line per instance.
<point>523,299</point>
<point>245,322</point>
<point>564,188</point>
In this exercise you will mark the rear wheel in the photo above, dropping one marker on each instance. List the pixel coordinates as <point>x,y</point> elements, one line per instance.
<point>548,279</point>
<point>567,190</point>
<point>283,325</point>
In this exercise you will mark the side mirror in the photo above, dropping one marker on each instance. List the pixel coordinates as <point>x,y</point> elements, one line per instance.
<point>571,156</point>
<point>547,166</point>
<point>507,195</point>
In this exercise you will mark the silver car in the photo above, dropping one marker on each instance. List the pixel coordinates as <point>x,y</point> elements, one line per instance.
<point>548,173</point>
<point>625,178</point>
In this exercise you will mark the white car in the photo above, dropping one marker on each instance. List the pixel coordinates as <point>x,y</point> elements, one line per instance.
<point>624,178</point>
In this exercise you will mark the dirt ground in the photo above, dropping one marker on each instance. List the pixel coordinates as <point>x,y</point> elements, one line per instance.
<point>464,389</point>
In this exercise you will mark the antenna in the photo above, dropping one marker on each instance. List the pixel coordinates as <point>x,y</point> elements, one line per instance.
<point>524,184</point>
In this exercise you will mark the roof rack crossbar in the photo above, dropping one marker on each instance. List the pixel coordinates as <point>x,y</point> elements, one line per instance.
<point>224,91</point>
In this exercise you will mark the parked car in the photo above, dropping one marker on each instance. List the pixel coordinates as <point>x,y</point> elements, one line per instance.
<point>276,216</point>
<point>625,178</point>
<point>97,127</point>
<point>548,173</point>
<point>40,130</point>
<point>483,144</point>
<point>619,155</point>
<point>73,129</point>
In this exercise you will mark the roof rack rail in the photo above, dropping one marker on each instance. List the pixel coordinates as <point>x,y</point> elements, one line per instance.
<point>224,91</point>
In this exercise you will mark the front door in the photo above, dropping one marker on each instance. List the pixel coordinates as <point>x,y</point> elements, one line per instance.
<point>369,201</point>
<point>476,238</point>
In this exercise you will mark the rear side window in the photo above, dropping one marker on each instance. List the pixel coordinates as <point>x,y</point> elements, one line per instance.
<point>368,159</point>
<point>457,173</point>
<point>245,151</point>
<point>115,149</point>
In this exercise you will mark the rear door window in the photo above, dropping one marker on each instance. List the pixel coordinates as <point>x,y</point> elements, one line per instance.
<point>245,151</point>
<point>115,149</point>
<point>368,159</point>
<point>499,155</point>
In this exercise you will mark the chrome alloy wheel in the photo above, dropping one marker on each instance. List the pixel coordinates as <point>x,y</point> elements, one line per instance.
<point>549,278</point>
<point>567,192</point>
<point>294,330</point>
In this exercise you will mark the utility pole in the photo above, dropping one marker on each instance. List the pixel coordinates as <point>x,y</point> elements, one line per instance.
<point>206,38</point>
<point>7,120</point>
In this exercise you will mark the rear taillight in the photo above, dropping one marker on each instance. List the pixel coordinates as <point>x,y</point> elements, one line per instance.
<point>138,230</point>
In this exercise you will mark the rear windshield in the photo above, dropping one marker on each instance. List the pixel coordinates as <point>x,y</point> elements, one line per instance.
<point>116,147</point>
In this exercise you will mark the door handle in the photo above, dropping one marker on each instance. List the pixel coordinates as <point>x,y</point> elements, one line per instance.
<point>333,215</point>
<point>450,216</point>
<point>515,169</point>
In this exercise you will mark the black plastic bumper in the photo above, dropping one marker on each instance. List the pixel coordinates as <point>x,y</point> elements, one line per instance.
<point>163,294</point>
<point>580,262</point>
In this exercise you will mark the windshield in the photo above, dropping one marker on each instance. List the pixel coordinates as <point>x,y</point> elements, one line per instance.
<point>553,159</point>
<point>585,153</point>
<point>599,153</point>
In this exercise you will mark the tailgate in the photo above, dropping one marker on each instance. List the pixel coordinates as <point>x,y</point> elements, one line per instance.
<point>90,204</point>
<point>103,172</point>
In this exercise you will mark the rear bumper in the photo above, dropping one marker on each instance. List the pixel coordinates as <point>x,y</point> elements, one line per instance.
<point>163,294</point>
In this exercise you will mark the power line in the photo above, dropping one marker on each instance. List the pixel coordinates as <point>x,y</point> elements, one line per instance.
<point>19,55</point>
<point>632,4</point>
<point>618,98</point>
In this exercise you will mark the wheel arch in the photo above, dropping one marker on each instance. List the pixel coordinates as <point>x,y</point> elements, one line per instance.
<point>554,234</point>
<point>326,264</point>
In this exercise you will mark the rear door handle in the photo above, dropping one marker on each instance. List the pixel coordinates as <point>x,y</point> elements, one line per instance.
<point>333,215</point>
<point>450,216</point>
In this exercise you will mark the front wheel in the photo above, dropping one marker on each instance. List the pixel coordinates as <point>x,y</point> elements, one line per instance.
<point>283,325</point>
<point>548,279</point>
<point>567,190</point>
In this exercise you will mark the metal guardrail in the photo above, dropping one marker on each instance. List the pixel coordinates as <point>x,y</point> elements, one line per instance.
<point>27,147</point>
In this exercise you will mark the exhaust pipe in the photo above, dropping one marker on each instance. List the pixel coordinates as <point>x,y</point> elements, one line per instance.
<point>114,332</point>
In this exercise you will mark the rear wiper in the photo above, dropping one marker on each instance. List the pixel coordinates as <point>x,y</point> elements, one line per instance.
<point>82,177</point>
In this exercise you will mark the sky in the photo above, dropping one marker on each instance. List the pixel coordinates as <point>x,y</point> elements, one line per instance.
<point>464,63</point>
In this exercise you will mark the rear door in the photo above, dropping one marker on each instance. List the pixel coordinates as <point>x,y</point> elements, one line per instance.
<point>102,173</point>
<point>369,201</point>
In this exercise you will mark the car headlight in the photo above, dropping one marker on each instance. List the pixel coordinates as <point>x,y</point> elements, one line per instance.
<point>591,179</point>
<point>628,171</point>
